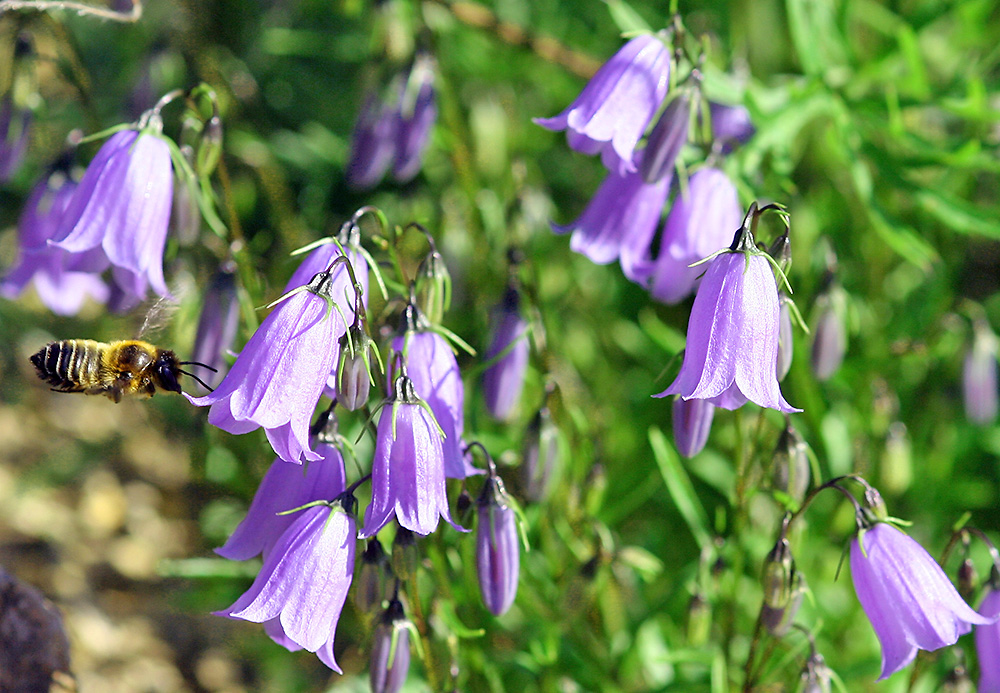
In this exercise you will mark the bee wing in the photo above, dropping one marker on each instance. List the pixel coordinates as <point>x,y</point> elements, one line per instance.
<point>158,315</point>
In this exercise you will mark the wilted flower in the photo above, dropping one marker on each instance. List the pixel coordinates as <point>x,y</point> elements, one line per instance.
<point>730,124</point>
<point>620,222</point>
<point>700,222</point>
<point>281,372</point>
<point>122,206</point>
<point>305,579</point>
<point>15,129</point>
<point>417,114</point>
<point>408,466</point>
<point>390,660</point>
<point>907,596</point>
<point>979,376</point>
<point>692,420</point>
<point>732,339</point>
<point>498,555</point>
<point>988,643</point>
<point>665,142</point>
<point>220,317</point>
<point>504,379</point>
<point>613,110</point>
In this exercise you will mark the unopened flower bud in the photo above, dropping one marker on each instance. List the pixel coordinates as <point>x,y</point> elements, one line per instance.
<point>433,288</point>
<point>816,675</point>
<point>968,579</point>
<point>541,455</point>
<point>829,339</point>
<point>692,419</point>
<point>784,358</point>
<point>390,661</point>
<point>730,124</point>
<point>699,620</point>
<point>665,142</point>
<point>779,567</point>
<point>209,147</point>
<point>779,621</point>
<point>958,681</point>
<point>354,377</point>
<point>185,217</point>
<point>791,465</point>
<point>369,585</point>
<point>498,556</point>
<point>404,554</point>
<point>417,113</point>
<point>979,376</point>
<point>220,315</point>
<point>896,468</point>
<point>504,379</point>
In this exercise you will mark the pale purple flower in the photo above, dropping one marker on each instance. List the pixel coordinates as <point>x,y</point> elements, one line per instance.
<point>504,379</point>
<point>286,486</point>
<point>498,553</point>
<point>979,377</point>
<point>785,337</point>
<point>390,658</point>
<point>220,317</point>
<point>666,140</point>
<point>907,597</point>
<point>122,206</point>
<point>613,110</point>
<point>700,222</point>
<point>373,145</point>
<point>829,340</point>
<point>280,374</point>
<point>417,114</point>
<point>988,643</point>
<point>619,223</point>
<point>302,586</point>
<point>408,467</point>
<point>730,124</point>
<point>732,338</point>
<point>15,130</point>
<point>692,421</point>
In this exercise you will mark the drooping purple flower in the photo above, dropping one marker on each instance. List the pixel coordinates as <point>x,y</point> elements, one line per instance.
<point>15,130</point>
<point>390,659</point>
<point>498,554</point>
<point>611,113</point>
<point>619,223</point>
<point>304,580</point>
<point>504,379</point>
<point>281,372</point>
<point>220,317</point>
<point>286,486</point>
<point>988,643</point>
<point>665,142</point>
<point>122,206</point>
<point>373,145</point>
<point>692,420</point>
<point>417,114</point>
<point>730,124</point>
<point>979,376</point>
<point>700,222</point>
<point>785,338</point>
<point>732,338</point>
<point>907,597</point>
<point>408,467</point>
<point>51,270</point>
<point>829,339</point>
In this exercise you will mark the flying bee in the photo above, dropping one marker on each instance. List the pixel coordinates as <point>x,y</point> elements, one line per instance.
<point>118,369</point>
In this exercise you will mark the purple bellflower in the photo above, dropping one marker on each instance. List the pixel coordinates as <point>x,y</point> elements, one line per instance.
<point>408,467</point>
<point>280,374</point>
<point>498,553</point>
<point>373,145</point>
<point>504,379</point>
<point>220,318</point>
<point>909,600</point>
<point>830,338</point>
<point>692,421</point>
<point>390,659</point>
<point>785,337</point>
<point>51,270</point>
<point>417,114</point>
<point>730,125</point>
<point>431,365</point>
<point>700,222</point>
<point>619,223</point>
<point>611,113</point>
<point>979,376</point>
<point>732,338</point>
<point>666,140</point>
<point>303,584</point>
<point>122,206</point>
<point>988,643</point>
<point>13,140</point>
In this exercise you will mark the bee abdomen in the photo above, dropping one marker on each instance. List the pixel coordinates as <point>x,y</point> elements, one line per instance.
<point>71,365</point>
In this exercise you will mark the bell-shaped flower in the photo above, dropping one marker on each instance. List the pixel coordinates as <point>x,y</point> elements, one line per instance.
<point>303,584</point>
<point>909,600</point>
<point>280,374</point>
<point>122,206</point>
<point>417,114</point>
<point>730,125</point>
<point>783,362</point>
<point>619,223</point>
<point>390,658</point>
<point>220,318</point>
<point>430,363</point>
<point>503,381</point>
<point>666,140</point>
<point>732,338</point>
<point>408,466</point>
<point>829,336</point>
<point>700,222</point>
<point>692,421</point>
<point>979,376</point>
<point>373,145</point>
<point>498,551</point>
<point>988,643</point>
<point>612,112</point>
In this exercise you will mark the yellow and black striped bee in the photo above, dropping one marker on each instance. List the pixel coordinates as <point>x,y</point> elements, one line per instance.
<point>118,369</point>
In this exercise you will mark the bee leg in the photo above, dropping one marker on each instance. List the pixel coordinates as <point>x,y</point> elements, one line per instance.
<point>115,393</point>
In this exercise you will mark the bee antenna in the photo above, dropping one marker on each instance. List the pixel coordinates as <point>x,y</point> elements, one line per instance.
<point>197,363</point>
<point>200,381</point>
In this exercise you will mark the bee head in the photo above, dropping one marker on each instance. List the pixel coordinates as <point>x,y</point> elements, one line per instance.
<point>166,370</point>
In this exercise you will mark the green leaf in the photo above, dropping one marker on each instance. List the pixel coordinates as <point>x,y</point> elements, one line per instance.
<point>627,19</point>
<point>679,485</point>
<point>959,215</point>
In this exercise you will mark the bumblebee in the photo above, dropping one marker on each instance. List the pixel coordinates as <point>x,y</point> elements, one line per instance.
<point>118,369</point>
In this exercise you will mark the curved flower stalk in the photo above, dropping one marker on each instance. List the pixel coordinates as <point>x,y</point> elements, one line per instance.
<point>732,339</point>
<point>303,584</point>
<point>122,207</point>
<point>503,381</point>
<point>280,374</point>
<point>408,466</point>
<point>611,113</point>
<point>909,600</point>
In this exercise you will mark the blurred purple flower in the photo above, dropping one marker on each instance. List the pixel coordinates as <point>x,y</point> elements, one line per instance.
<point>498,552</point>
<point>304,580</point>
<point>390,660</point>
<point>666,140</point>
<point>611,113</point>
<point>417,114</point>
<point>979,376</point>
<point>280,374</point>
<point>13,140</point>
<point>373,145</point>
<point>122,206</point>
<point>700,223</point>
<point>619,223</point>
<point>907,597</point>
<point>408,467</point>
<point>988,643</point>
<point>692,420</point>
<point>220,317</point>
<point>730,124</point>
<point>785,337</point>
<point>829,338</point>
<point>504,379</point>
<point>732,339</point>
